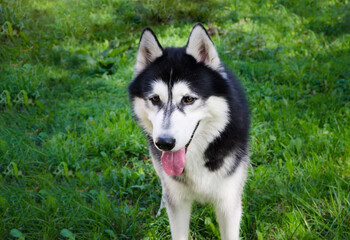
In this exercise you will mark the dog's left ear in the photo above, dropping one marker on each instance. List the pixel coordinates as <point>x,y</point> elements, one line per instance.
<point>202,48</point>
<point>149,49</point>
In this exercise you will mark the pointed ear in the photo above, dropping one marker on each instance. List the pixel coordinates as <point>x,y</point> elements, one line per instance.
<point>149,49</point>
<point>201,47</point>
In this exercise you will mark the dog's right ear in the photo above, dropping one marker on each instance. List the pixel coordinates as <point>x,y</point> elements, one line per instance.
<point>149,49</point>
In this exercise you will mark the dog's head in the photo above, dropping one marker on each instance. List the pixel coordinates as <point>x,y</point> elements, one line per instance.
<point>174,96</point>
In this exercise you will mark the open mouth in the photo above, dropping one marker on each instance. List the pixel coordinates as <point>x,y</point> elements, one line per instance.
<point>174,162</point>
<point>195,129</point>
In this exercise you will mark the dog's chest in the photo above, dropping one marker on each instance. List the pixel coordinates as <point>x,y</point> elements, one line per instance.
<point>198,182</point>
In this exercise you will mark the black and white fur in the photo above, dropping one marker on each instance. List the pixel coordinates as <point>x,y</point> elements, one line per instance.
<point>186,96</point>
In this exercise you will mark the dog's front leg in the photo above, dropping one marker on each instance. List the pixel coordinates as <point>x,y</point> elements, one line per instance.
<point>229,215</point>
<point>179,214</point>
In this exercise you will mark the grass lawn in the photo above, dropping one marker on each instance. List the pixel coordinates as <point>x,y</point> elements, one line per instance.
<point>74,164</point>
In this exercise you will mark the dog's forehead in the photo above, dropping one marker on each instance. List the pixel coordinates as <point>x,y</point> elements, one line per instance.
<point>174,63</point>
<point>178,88</point>
<point>182,88</point>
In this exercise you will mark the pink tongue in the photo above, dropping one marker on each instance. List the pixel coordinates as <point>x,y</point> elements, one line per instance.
<point>174,162</point>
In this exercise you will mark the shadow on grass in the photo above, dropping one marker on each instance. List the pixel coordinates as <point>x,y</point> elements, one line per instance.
<point>330,18</point>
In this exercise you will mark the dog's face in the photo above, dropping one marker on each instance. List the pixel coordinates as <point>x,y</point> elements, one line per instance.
<point>172,114</point>
<point>170,97</point>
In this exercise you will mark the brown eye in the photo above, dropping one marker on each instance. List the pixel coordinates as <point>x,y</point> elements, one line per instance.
<point>155,99</point>
<point>188,99</point>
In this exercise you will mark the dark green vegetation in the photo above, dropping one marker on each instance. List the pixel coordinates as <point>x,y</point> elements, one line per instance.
<point>74,165</point>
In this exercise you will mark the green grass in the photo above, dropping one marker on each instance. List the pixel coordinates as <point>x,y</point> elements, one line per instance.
<point>74,164</point>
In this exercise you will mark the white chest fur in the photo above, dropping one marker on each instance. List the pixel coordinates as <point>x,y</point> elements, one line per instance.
<point>201,184</point>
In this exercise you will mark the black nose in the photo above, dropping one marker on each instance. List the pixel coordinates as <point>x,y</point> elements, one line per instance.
<point>165,143</point>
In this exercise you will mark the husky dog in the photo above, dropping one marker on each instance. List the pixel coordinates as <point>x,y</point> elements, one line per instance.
<point>196,118</point>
